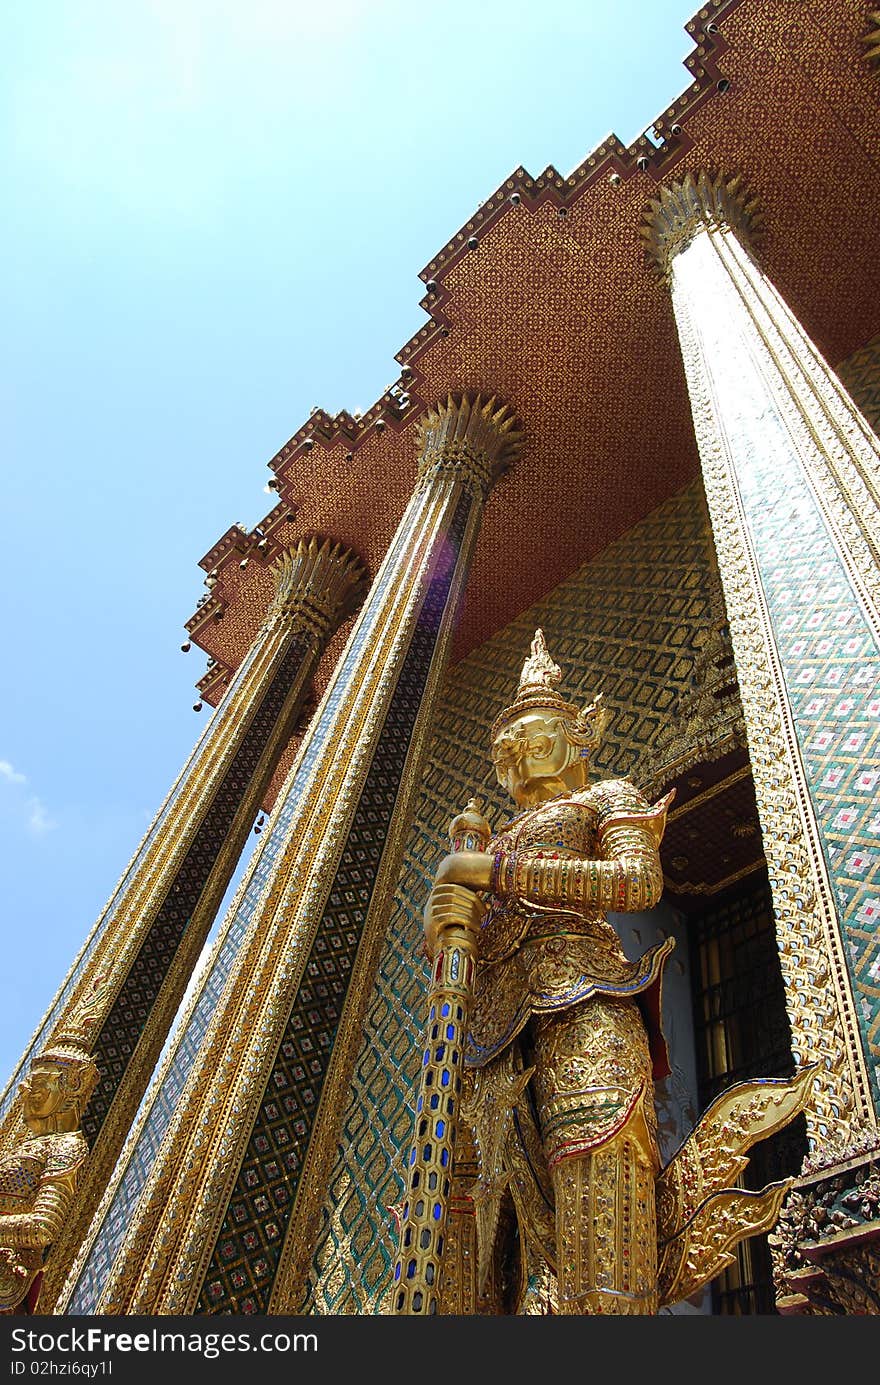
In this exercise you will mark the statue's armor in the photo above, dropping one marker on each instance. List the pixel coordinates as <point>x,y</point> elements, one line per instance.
<point>40,1173</point>
<point>36,1160</point>
<point>553,982</point>
<point>564,1042</point>
<point>561,1043</point>
<point>553,949</point>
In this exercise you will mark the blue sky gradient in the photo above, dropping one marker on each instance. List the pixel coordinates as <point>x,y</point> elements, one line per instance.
<point>215,214</point>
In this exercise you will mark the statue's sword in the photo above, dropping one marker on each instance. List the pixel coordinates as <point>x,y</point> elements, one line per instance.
<point>422,1216</point>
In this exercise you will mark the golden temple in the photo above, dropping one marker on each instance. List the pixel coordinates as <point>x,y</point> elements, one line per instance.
<point>641,419</point>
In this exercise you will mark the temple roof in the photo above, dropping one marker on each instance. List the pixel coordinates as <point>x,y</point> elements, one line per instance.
<point>546,299</point>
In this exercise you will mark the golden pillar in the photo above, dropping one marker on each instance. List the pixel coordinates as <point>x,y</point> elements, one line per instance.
<point>792,476</point>
<point>148,939</point>
<point>220,1213</point>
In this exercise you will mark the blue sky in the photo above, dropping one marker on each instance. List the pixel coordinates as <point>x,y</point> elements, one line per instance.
<point>215,215</point>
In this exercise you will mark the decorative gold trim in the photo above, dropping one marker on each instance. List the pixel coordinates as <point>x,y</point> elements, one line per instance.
<point>871,40</point>
<point>129,924</point>
<point>223,1086</point>
<point>168,1062</point>
<point>826,1246</point>
<point>685,208</point>
<point>299,1246</point>
<point>318,585</point>
<point>838,450</point>
<point>104,1155</point>
<point>680,811</point>
<point>475,439</point>
<point>824,1024</point>
<point>701,888</point>
<point>195,1255</point>
<point>161,1263</point>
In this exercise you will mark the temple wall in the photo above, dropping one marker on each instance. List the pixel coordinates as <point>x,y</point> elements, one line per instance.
<point>626,625</point>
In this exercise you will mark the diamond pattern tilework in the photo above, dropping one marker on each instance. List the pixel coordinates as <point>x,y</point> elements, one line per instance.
<point>831,665</point>
<point>239,1278</point>
<point>163,1101</point>
<point>626,624</point>
<point>131,1006</point>
<point>120,1034</point>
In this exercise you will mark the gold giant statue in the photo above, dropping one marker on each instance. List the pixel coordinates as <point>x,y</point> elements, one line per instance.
<point>38,1175</point>
<point>550,1039</point>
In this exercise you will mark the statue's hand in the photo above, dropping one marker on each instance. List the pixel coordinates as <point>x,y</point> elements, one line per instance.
<point>450,906</point>
<point>471,868</point>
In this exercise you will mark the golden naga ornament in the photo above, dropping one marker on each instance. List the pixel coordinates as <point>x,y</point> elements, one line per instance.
<point>551,1080</point>
<point>38,1175</point>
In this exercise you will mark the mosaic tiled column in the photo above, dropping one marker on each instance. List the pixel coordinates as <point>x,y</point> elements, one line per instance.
<point>653,577</point>
<point>148,940</point>
<point>222,1215</point>
<point>792,476</point>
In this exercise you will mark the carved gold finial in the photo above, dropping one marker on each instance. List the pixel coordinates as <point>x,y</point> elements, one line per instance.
<point>537,689</point>
<point>73,1040</point>
<point>872,40</point>
<point>539,672</point>
<point>479,439</point>
<point>683,208</point>
<point>469,830</point>
<point>319,581</point>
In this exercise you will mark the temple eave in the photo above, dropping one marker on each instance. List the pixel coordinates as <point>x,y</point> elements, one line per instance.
<point>351,476</point>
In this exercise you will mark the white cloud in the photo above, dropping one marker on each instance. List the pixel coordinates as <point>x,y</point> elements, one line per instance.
<point>36,815</point>
<point>39,821</point>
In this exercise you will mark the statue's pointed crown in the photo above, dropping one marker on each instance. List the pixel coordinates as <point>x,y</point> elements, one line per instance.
<point>539,673</point>
<point>73,1039</point>
<point>537,690</point>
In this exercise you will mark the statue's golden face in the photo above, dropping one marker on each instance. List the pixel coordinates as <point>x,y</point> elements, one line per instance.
<point>528,751</point>
<point>42,1091</point>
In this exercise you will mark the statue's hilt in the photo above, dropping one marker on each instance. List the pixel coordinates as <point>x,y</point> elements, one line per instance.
<point>429,1156</point>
